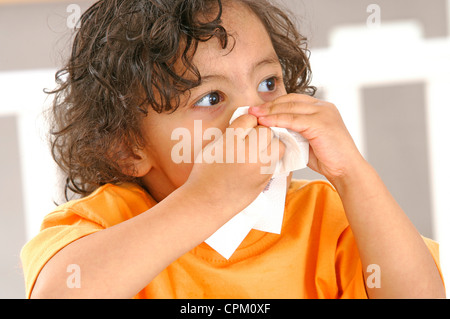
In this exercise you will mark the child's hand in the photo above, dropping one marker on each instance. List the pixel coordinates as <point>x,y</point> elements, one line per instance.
<point>332,150</point>
<point>233,182</point>
<point>366,200</point>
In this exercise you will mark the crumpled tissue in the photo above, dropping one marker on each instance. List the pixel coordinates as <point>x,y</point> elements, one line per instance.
<point>266,212</point>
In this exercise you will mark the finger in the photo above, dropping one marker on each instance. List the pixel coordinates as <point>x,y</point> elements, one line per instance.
<point>287,107</point>
<point>257,146</point>
<point>295,122</point>
<point>280,146</point>
<point>265,134</point>
<point>244,121</point>
<point>291,105</point>
<point>269,144</point>
<point>294,96</point>
<point>271,155</point>
<point>242,125</point>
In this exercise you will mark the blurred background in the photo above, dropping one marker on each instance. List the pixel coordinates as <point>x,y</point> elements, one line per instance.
<point>385,64</point>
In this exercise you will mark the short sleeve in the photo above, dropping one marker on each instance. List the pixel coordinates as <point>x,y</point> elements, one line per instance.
<point>349,272</point>
<point>433,247</point>
<point>65,227</point>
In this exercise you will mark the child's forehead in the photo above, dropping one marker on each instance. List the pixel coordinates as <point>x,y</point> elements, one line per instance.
<point>236,14</point>
<point>248,38</point>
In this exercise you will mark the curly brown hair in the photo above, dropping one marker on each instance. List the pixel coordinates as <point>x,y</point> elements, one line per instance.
<point>123,60</point>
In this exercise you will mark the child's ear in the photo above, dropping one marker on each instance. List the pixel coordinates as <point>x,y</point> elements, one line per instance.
<point>137,165</point>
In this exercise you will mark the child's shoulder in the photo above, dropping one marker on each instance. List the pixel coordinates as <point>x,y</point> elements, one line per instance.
<point>110,194</point>
<point>107,205</point>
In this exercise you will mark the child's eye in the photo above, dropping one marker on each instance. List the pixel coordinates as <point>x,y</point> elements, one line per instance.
<point>268,85</point>
<point>210,99</point>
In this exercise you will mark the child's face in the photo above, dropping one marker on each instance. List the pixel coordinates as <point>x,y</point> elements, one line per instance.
<point>248,75</point>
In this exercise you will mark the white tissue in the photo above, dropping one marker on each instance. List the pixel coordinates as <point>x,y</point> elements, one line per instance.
<point>265,213</point>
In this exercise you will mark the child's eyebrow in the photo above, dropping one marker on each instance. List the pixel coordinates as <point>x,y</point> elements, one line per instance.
<point>272,59</point>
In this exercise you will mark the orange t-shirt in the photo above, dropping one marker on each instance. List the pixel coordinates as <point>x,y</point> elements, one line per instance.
<point>315,256</point>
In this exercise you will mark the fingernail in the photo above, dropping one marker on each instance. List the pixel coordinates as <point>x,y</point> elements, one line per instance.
<point>262,120</point>
<point>254,109</point>
<point>257,109</point>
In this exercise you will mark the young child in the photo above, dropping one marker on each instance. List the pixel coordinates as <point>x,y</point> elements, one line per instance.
<point>139,69</point>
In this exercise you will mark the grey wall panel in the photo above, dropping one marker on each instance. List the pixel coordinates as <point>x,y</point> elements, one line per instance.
<point>318,17</point>
<point>396,144</point>
<point>12,221</point>
<point>35,35</point>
